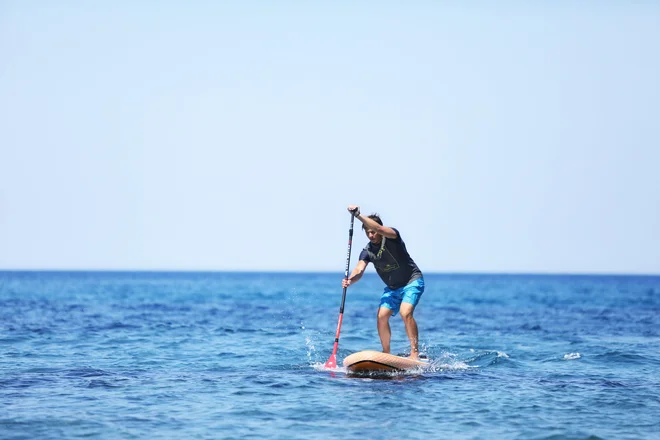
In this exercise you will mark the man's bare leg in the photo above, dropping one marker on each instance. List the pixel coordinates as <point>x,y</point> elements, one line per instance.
<point>411,328</point>
<point>384,331</point>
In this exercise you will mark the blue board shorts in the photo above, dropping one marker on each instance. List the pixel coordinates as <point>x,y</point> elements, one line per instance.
<point>411,293</point>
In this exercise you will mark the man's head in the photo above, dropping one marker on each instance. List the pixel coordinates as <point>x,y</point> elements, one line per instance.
<point>371,234</point>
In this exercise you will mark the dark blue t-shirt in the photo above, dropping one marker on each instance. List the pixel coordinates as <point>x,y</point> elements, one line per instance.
<point>392,262</point>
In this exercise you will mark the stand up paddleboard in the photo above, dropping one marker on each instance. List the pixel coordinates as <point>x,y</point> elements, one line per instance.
<point>370,361</point>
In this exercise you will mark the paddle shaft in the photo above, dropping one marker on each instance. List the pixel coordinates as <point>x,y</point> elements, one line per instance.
<point>332,361</point>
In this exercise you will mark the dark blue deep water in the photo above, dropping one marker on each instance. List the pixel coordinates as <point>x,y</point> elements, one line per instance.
<point>239,355</point>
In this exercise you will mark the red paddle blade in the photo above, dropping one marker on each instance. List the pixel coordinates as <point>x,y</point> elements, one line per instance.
<point>332,361</point>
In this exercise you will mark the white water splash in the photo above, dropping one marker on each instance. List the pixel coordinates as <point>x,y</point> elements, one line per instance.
<point>449,362</point>
<point>311,349</point>
<point>454,366</point>
<point>572,356</point>
<point>319,366</point>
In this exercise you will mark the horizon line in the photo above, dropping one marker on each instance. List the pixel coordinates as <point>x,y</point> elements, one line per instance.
<point>320,271</point>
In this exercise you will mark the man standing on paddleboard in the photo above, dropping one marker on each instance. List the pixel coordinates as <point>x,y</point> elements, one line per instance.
<point>404,282</point>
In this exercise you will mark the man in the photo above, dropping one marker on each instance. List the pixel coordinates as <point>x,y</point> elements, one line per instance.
<point>404,282</point>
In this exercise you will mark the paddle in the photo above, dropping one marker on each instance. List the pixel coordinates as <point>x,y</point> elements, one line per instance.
<point>332,360</point>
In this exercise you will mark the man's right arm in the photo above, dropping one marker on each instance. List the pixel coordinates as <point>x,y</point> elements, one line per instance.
<point>356,274</point>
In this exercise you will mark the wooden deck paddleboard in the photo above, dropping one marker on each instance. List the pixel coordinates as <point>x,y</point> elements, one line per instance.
<point>375,361</point>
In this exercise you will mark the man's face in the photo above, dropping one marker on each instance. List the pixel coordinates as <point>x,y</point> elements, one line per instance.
<point>373,236</point>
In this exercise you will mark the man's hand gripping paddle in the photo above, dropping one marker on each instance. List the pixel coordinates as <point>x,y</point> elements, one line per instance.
<point>332,360</point>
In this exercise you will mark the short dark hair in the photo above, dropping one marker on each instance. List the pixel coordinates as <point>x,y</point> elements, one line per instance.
<point>375,217</point>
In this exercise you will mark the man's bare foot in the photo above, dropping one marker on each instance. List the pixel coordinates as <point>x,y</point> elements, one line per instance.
<point>414,355</point>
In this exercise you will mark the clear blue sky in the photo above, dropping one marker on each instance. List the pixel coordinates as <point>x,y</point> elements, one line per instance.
<point>231,135</point>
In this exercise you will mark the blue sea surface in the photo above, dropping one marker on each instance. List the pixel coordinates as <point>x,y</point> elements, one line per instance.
<point>122,355</point>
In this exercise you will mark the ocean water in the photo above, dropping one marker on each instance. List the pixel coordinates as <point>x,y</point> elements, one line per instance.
<point>239,355</point>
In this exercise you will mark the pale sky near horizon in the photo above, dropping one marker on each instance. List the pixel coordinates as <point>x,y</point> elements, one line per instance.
<point>496,136</point>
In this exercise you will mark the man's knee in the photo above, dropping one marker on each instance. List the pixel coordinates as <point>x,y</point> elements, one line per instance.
<point>407,311</point>
<point>384,313</point>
